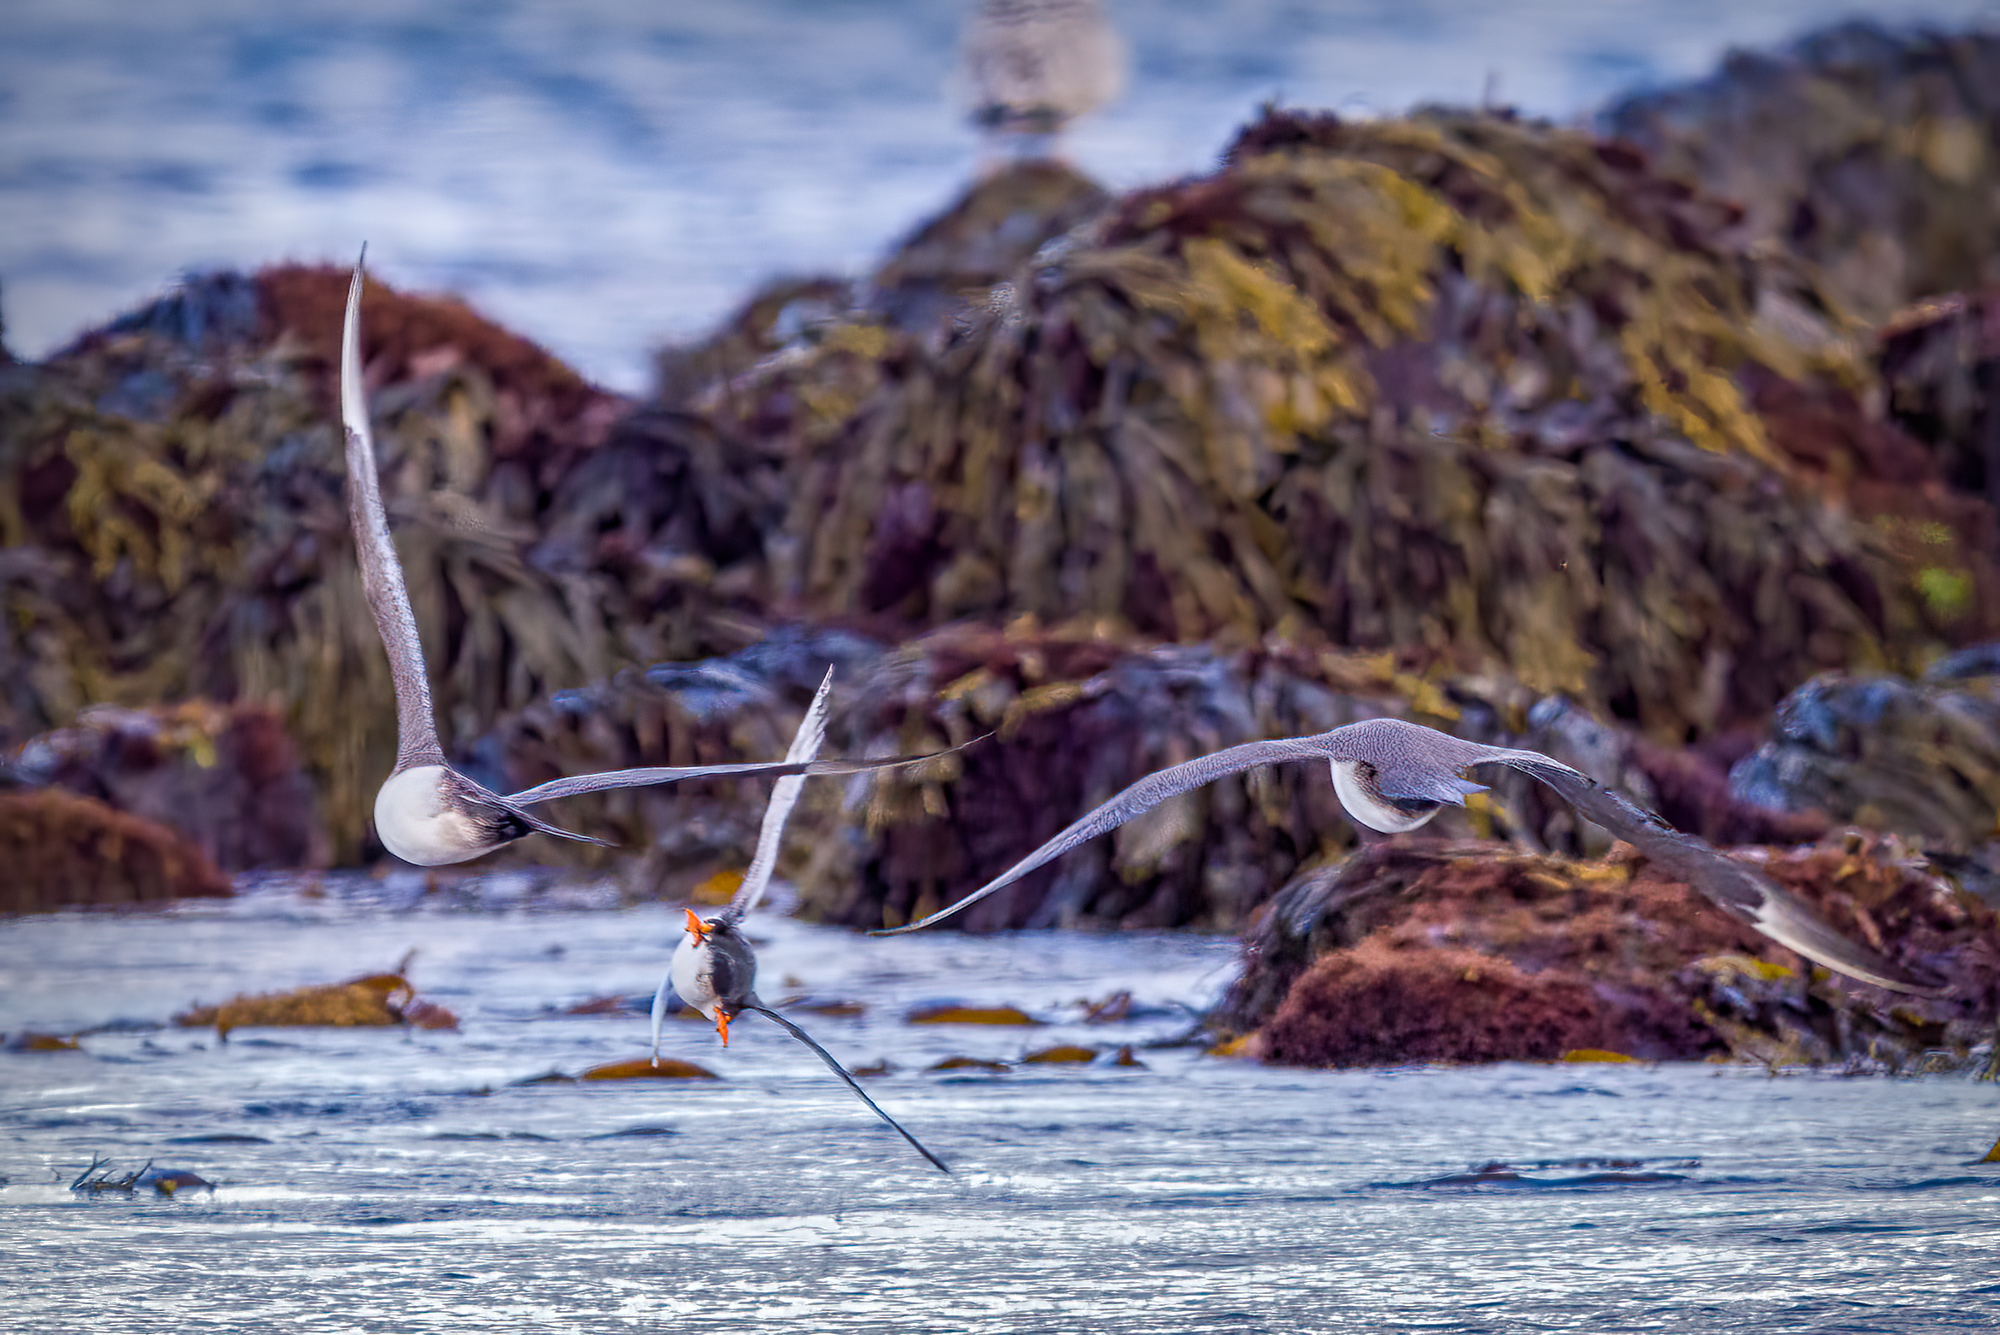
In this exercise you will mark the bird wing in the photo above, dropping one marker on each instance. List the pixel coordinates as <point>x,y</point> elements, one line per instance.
<point>784,796</point>
<point>381,570</point>
<point>1141,797</point>
<point>641,778</point>
<point>473,794</point>
<point>1737,887</point>
<point>853,1084</point>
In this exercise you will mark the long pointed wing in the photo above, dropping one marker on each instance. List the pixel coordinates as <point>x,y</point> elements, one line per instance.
<point>1735,886</point>
<point>853,1084</point>
<point>381,570</point>
<point>660,995</point>
<point>642,778</point>
<point>1141,797</point>
<point>784,796</point>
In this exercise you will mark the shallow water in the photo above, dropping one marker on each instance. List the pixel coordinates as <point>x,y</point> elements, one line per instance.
<point>373,1180</point>
<point>600,174</point>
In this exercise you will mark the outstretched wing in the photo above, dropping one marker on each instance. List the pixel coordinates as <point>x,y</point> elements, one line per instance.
<point>784,796</point>
<point>853,1084</point>
<point>381,570</point>
<point>1736,886</point>
<point>641,778</point>
<point>1141,797</point>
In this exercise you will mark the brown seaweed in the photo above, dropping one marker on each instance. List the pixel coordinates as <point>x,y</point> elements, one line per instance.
<point>1430,951</point>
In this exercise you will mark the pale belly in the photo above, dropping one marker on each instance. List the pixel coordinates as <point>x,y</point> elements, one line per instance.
<point>1368,810</point>
<point>691,977</point>
<point>416,823</point>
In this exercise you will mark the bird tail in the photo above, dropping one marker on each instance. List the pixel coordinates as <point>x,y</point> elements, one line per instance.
<point>853,1084</point>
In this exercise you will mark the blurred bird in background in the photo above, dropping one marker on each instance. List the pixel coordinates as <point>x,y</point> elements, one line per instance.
<point>1027,68</point>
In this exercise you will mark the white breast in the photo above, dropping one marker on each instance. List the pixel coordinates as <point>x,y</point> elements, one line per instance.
<point>417,822</point>
<point>1376,815</point>
<point>691,974</point>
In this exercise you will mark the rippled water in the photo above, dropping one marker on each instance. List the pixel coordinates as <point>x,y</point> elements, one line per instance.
<point>373,1180</point>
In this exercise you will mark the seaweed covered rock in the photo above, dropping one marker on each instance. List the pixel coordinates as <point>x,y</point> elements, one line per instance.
<point>172,511</point>
<point>1074,716</point>
<point>982,240</point>
<point>1869,153</point>
<point>227,777</point>
<point>60,849</point>
<point>1455,385</point>
<point>1410,950</point>
<point>1915,758</point>
<point>1940,363</point>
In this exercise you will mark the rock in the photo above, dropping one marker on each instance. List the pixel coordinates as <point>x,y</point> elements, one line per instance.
<point>227,777</point>
<point>60,849</point>
<point>957,258</point>
<point>1417,950</point>
<point>1885,753</point>
<point>1198,422</point>
<point>1940,362</point>
<point>1374,1005</point>
<point>1869,153</point>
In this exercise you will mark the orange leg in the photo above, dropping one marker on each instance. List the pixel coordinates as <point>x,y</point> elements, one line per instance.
<point>722,1024</point>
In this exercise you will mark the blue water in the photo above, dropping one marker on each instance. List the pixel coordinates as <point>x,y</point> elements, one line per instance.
<point>606,174</point>
<point>406,1183</point>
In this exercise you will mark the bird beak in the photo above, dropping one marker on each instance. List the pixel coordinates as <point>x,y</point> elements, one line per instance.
<point>697,929</point>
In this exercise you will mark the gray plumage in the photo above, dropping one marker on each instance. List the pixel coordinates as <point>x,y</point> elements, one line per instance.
<point>427,812</point>
<point>727,972</point>
<point>1392,775</point>
<point>713,968</point>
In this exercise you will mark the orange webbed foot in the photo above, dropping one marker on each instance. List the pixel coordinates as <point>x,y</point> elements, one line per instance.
<point>722,1025</point>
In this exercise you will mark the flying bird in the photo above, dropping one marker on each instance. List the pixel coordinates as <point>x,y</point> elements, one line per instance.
<point>427,812</point>
<point>1392,776</point>
<point>714,969</point>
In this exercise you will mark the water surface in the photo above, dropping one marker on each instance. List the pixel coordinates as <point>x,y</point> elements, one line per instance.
<point>377,1180</point>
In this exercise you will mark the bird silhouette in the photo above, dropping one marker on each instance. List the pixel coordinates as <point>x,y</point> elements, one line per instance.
<point>715,971</point>
<point>1392,776</point>
<point>427,812</point>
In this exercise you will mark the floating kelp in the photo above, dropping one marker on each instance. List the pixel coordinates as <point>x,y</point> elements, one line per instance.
<point>29,1040</point>
<point>1465,387</point>
<point>1870,154</point>
<point>225,776</point>
<point>1062,1054</point>
<point>1417,950</point>
<point>376,999</point>
<point>60,849</point>
<point>643,1068</point>
<point>952,1012</point>
<point>99,1177</point>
